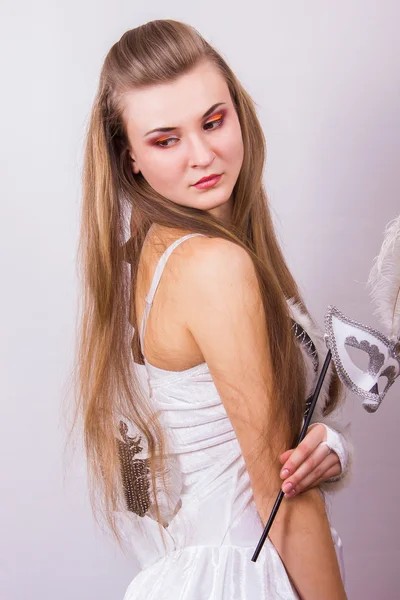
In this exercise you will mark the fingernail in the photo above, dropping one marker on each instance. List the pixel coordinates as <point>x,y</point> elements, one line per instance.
<point>284,473</point>
<point>291,494</point>
<point>287,488</point>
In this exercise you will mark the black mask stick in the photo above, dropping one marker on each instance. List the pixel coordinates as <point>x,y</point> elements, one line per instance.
<point>303,433</point>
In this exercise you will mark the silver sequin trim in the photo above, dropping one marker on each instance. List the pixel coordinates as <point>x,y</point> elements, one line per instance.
<point>134,472</point>
<point>376,358</point>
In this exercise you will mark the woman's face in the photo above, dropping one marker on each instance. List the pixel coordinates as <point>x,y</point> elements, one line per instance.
<point>182,131</point>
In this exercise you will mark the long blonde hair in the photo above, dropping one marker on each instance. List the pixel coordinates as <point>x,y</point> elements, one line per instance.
<point>114,200</point>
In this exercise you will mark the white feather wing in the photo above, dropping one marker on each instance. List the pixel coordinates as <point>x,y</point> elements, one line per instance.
<point>384,280</point>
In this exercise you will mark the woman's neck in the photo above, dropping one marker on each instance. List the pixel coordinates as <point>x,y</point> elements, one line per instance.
<point>223,212</point>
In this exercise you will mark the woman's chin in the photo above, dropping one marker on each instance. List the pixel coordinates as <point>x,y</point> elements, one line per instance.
<point>210,201</point>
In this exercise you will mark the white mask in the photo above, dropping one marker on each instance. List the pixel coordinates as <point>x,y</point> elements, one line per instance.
<point>383,353</point>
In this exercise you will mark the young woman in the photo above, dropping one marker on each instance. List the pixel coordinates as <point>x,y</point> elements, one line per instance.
<point>188,442</point>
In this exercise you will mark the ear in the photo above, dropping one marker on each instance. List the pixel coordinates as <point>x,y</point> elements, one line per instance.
<point>135,167</point>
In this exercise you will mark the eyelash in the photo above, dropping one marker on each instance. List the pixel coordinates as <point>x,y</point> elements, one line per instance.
<point>220,120</point>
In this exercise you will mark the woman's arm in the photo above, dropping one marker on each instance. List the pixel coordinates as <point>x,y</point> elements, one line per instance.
<point>223,311</point>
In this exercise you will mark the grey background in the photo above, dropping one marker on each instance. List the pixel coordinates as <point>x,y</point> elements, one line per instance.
<point>325,76</point>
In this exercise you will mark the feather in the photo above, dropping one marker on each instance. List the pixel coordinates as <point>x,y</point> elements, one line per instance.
<point>384,280</point>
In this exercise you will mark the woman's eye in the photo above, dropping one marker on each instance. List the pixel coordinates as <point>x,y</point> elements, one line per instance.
<point>164,142</point>
<point>213,123</point>
<point>217,121</point>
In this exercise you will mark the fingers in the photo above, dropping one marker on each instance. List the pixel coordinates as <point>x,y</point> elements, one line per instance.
<point>310,481</point>
<point>316,434</point>
<point>311,471</point>
<point>284,457</point>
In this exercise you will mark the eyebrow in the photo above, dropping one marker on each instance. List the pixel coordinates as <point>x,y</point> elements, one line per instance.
<point>167,129</point>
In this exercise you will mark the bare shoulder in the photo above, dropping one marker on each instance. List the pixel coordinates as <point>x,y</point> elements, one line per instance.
<point>215,262</point>
<point>200,255</point>
<point>218,284</point>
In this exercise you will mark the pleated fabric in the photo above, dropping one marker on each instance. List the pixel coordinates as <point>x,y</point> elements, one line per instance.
<point>213,573</point>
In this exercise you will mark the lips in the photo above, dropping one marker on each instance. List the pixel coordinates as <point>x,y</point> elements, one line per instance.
<point>207,178</point>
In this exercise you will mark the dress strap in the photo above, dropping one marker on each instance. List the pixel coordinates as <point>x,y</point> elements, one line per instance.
<point>156,280</point>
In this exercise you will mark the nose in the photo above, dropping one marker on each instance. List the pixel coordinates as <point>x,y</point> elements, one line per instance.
<point>200,152</point>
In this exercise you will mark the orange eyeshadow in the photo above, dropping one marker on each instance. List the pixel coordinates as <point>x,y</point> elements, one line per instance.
<point>215,118</point>
<point>212,119</point>
<point>161,139</point>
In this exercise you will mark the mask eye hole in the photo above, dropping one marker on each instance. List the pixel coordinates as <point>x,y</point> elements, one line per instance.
<point>383,380</point>
<point>358,357</point>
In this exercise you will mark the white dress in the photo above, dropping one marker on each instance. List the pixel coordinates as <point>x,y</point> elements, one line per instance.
<point>212,537</point>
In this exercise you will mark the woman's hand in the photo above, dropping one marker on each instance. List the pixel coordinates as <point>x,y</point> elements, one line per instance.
<point>309,464</point>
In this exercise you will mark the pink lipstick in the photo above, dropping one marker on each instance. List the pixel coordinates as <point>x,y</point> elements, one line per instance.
<point>207,182</point>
